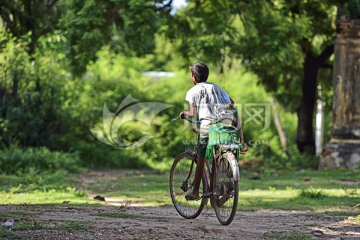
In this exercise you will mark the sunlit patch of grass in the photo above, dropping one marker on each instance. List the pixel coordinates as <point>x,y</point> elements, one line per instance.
<point>321,192</point>
<point>282,191</point>
<point>53,196</point>
<point>146,190</point>
<point>51,188</point>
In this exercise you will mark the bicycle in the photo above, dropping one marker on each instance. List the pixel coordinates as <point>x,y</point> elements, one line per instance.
<point>220,181</point>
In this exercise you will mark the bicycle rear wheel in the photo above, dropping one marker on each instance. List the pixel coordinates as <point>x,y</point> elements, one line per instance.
<point>181,184</point>
<point>226,188</point>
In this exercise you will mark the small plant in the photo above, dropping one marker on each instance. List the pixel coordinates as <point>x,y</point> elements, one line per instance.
<point>8,234</point>
<point>288,235</point>
<point>72,226</point>
<point>119,215</point>
<point>30,225</point>
<point>313,193</point>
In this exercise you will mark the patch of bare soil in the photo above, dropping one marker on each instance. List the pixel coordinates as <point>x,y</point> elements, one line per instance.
<point>127,221</point>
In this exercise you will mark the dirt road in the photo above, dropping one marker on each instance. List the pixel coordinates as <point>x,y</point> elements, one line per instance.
<point>124,220</point>
<point>130,222</point>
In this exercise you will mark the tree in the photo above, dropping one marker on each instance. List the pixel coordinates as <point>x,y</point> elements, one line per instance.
<point>286,43</point>
<point>33,17</point>
<point>127,25</point>
<point>33,36</point>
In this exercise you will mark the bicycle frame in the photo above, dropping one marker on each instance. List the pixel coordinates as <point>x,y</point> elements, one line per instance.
<point>222,148</point>
<point>210,169</point>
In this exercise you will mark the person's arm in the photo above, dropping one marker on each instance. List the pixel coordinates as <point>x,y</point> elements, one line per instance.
<point>232,102</point>
<point>190,113</point>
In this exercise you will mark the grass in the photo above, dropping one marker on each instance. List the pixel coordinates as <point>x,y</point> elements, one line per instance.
<point>8,234</point>
<point>26,224</point>
<point>54,188</point>
<point>128,216</point>
<point>323,192</point>
<point>119,215</point>
<point>72,226</point>
<point>313,193</point>
<point>288,235</point>
<point>147,190</point>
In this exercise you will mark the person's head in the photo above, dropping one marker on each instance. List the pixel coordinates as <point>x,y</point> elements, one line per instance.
<point>199,72</point>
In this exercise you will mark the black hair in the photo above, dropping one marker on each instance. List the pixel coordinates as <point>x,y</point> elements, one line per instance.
<point>200,71</point>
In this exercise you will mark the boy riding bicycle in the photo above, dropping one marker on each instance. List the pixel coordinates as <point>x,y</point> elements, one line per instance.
<point>209,103</point>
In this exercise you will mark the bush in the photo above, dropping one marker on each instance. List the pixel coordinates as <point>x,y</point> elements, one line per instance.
<point>16,160</point>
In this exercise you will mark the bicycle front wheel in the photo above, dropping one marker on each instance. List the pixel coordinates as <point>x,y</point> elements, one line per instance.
<point>226,188</point>
<point>181,183</point>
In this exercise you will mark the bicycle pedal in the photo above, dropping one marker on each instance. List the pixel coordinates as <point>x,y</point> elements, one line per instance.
<point>207,195</point>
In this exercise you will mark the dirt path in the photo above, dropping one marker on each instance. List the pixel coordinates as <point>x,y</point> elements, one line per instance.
<point>109,222</point>
<point>127,221</point>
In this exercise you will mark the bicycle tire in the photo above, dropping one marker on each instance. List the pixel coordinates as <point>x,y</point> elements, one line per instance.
<point>179,188</point>
<point>226,188</point>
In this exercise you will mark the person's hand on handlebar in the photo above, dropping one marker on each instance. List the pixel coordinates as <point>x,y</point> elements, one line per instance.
<point>182,114</point>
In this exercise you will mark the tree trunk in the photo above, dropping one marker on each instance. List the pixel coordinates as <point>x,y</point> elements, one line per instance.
<point>280,129</point>
<point>305,140</point>
<point>305,135</point>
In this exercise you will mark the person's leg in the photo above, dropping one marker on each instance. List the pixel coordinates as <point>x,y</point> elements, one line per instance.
<point>198,175</point>
<point>244,147</point>
<point>194,195</point>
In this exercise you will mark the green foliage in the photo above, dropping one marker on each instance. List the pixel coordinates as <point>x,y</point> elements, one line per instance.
<point>67,109</point>
<point>324,191</point>
<point>352,8</point>
<point>32,18</point>
<point>288,44</point>
<point>204,31</point>
<point>42,104</point>
<point>128,26</point>
<point>271,39</point>
<point>313,193</point>
<point>288,235</point>
<point>33,160</point>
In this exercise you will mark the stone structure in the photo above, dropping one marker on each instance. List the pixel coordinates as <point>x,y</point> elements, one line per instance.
<point>344,147</point>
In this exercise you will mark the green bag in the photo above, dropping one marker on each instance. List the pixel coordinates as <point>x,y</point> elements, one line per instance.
<point>221,134</point>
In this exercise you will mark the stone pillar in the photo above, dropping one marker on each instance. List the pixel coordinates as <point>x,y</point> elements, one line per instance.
<point>344,147</point>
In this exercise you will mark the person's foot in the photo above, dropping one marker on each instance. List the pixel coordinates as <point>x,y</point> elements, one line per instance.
<point>244,148</point>
<point>192,197</point>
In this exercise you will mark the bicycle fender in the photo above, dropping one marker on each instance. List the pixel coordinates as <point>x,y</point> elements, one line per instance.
<point>192,152</point>
<point>234,165</point>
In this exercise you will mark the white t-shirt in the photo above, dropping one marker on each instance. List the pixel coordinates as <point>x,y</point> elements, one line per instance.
<point>210,101</point>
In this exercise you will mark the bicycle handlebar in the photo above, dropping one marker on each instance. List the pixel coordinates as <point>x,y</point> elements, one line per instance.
<point>187,119</point>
